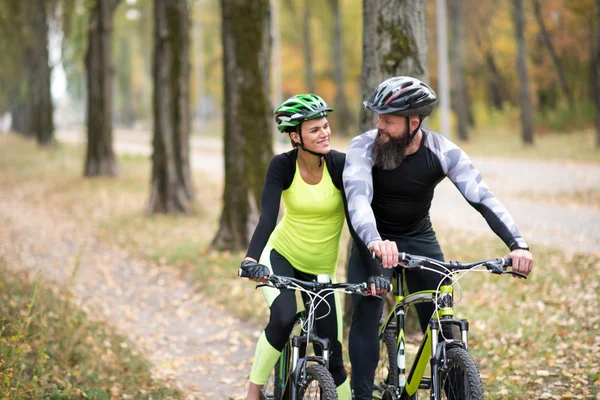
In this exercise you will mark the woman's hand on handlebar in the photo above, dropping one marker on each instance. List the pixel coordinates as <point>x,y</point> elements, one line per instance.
<point>255,272</point>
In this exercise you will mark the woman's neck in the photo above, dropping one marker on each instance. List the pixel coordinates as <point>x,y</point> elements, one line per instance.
<point>308,161</point>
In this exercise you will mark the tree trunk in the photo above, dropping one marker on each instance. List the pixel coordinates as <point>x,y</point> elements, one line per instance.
<point>171,188</point>
<point>597,73</point>
<point>21,117</point>
<point>526,109</point>
<point>100,158</point>
<point>42,123</point>
<point>307,48</point>
<point>248,129</point>
<point>343,115</point>
<point>458,69</point>
<point>394,43</point>
<point>553,56</point>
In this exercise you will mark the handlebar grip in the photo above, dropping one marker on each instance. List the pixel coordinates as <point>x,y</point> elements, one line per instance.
<point>508,262</point>
<point>243,273</point>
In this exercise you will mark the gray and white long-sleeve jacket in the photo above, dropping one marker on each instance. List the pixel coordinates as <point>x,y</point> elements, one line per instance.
<point>396,203</point>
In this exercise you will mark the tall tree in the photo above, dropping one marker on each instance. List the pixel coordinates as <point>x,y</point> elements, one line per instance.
<point>171,188</point>
<point>248,134</point>
<point>100,158</point>
<point>307,49</point>
<point>343,114</point>
<point>394,43</point>
<point>525,98</point>
<point>477,19</point>
<point>42,122</point>
<point>460,102</point>
<point>553,56</point>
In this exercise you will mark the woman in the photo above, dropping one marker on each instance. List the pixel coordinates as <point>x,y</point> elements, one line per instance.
<point>306,241</point>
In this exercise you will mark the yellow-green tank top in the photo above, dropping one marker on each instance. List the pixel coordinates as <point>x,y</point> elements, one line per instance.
<point>308,235</point>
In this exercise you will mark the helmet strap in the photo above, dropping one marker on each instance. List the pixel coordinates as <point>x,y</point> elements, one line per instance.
<point>301,145</point>
<point>414,133</point>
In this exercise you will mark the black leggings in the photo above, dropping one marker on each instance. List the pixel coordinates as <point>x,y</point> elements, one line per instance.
<point>283,315</point>
<point>363,341</point>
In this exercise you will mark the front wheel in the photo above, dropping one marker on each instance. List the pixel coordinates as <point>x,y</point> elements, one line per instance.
<point>319,384</point>
<point>386,374</point>
<point>461,380</point>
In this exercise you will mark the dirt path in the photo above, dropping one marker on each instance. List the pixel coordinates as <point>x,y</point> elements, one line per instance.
<point>191,342</point>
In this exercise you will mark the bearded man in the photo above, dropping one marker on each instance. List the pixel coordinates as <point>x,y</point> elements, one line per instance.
<point>389,178</point>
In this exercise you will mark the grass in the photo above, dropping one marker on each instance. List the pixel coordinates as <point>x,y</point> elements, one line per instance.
<point>50,349</point>
<point>532,339</point>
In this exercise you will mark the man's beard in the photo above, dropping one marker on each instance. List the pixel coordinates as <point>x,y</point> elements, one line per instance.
<point>388,155</point>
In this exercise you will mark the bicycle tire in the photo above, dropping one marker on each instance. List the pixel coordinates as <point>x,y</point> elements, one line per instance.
<point>386,381</point>
<point>318,374</point>
<point>460,365</point>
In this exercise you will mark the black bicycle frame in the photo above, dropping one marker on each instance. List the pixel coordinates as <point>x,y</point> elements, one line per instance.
<point>299,360</point>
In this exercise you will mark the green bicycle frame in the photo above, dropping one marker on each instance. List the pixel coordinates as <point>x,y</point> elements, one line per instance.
<point>429,343</point>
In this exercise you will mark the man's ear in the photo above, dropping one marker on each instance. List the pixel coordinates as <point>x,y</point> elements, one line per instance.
<point>414,122</point>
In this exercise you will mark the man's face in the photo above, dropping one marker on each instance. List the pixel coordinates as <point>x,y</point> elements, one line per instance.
<point>393,137</point>
<point>391,126</point>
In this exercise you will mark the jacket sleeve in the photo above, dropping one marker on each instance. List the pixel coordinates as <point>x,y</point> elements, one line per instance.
<point>459,168</point>
<point>358,187</point>
<point>365,256</point>
<point>270,201</point>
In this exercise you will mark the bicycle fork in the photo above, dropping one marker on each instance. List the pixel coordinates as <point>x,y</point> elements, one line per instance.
<point>299,364</point>
<point>439,360</point>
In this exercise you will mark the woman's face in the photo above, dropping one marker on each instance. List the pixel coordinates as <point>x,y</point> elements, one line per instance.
<point>316,134</point>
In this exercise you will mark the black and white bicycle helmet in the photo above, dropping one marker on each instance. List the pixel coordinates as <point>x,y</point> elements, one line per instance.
<point>403,96</point>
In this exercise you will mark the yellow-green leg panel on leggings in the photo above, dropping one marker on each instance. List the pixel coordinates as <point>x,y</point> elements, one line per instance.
<point>265,357</point>
<point>343,391</point>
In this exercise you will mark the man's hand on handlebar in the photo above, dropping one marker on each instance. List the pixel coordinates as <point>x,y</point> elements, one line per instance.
<point>254,271</point>
<point>522,261</point>
<point>387,251</point>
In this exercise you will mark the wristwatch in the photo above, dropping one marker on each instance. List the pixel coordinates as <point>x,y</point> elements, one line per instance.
<point>519,243</point>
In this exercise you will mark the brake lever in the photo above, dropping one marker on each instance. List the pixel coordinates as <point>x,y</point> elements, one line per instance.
<point>519,274</point>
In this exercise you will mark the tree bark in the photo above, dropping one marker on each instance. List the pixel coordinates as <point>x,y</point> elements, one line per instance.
<point>343,115</point>
<point>458,68</point>
<point>171,189</point>
<point>248,129</point>
<point>394,43</point>
<point>42,122</point>
<point>525,99</point>
<point>307,48</point>
<point>553,56</point>
<point>100,158</point>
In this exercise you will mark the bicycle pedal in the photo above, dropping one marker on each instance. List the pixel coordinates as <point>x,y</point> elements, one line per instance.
<point>425,383</point>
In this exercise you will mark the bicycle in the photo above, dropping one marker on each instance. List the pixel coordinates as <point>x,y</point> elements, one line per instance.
<point>298,375</point>
<point>453,370</point>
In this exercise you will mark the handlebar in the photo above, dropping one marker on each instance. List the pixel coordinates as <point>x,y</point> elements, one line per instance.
<point>322,282</point>
<point>286,282</point>
<point>495,266</point>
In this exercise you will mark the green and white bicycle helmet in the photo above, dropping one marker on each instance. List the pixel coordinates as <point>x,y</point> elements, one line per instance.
<point>297,109</point>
